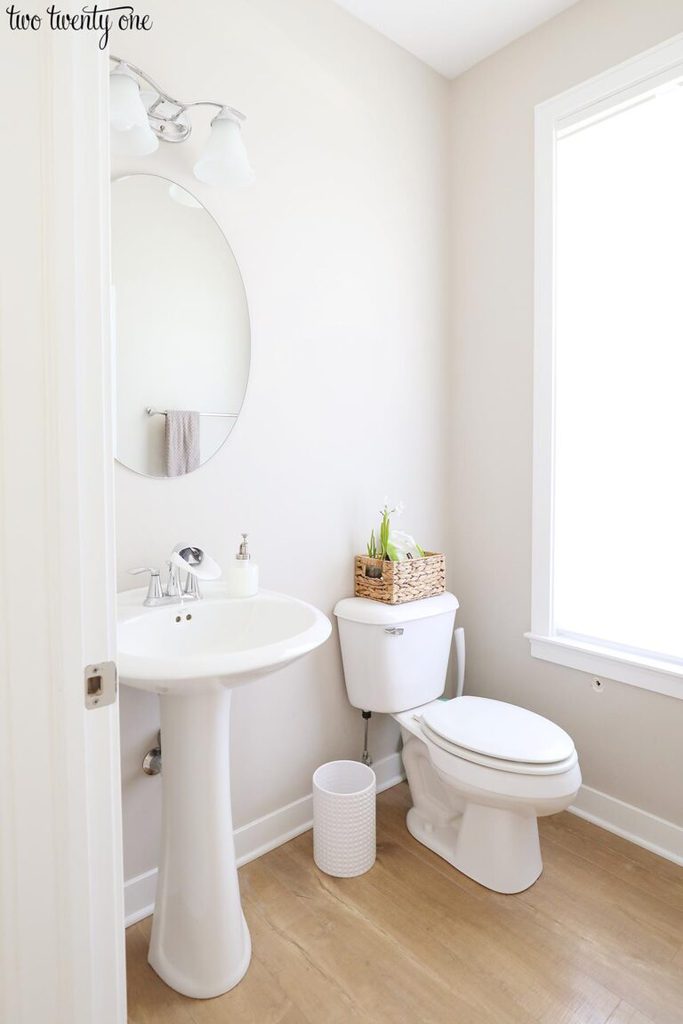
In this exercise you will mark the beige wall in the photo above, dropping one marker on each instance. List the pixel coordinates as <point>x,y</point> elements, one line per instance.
<point>343,245</point>
<point>629,740</point>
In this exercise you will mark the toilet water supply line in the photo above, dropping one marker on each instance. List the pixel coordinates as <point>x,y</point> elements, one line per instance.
<point>365,756</point>
<point>459,636</point>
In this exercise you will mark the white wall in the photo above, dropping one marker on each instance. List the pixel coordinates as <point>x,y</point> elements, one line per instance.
<point>343,244</point>
<point>629,740</point>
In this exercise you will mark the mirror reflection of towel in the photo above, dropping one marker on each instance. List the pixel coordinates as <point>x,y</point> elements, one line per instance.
<point>182,442</point>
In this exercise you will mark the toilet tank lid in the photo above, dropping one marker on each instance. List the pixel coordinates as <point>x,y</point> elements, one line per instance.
<point>377,613</point>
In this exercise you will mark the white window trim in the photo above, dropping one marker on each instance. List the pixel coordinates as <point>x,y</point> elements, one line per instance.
<point>652,68</point>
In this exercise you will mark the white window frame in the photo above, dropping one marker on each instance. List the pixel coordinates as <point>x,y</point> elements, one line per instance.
<point>648,70</point>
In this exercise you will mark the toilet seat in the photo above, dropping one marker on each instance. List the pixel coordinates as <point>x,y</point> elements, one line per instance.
<point>498,735</point>
<point>501,765</point>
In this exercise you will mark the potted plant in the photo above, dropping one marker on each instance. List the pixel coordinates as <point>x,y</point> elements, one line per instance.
<point>396,569</point>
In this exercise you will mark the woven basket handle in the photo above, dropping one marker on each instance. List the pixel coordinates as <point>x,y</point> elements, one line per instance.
<point>373,572</point>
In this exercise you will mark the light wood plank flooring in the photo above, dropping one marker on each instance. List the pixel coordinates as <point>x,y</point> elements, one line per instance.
<point>599,938</point>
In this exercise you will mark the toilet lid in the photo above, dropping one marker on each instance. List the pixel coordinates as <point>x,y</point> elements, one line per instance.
<point>496,729</point>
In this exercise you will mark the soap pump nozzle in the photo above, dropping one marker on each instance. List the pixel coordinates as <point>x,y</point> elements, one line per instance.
<point>243,553</point>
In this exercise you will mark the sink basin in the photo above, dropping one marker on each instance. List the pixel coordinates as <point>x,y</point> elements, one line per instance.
<point>193,655</point>
<point>218,641</point>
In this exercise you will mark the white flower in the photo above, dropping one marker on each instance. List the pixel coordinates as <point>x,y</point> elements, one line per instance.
<point>387,508</point>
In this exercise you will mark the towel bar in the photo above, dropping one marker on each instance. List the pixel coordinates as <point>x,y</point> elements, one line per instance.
<point>162,412</point>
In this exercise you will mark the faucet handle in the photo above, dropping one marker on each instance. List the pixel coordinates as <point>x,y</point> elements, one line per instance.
<point>154,590</point>
<point>172,583</point>
<point>191,589</point>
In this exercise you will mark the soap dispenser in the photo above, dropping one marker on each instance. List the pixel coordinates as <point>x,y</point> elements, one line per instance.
<point>241,575</point>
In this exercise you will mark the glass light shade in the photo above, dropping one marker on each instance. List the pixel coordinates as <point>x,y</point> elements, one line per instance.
<point>126,109</point>
<point>131,134</point>
<point>224,160</point>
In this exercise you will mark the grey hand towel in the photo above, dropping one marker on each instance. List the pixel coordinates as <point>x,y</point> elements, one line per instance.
<point>182,442</point>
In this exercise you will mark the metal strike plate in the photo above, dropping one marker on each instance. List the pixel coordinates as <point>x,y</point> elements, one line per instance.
<point>100,684</point>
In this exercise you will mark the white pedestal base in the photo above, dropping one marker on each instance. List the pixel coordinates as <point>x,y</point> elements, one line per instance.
<point>200,941</point>
<point>497,848</point>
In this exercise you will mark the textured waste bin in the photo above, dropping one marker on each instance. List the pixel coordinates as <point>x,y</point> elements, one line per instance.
<point>344,818</point>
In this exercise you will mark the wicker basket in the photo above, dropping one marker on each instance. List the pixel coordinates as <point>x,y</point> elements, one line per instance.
<point>398,582</point>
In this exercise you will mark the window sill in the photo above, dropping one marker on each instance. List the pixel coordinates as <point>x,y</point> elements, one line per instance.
<point>647,673</point>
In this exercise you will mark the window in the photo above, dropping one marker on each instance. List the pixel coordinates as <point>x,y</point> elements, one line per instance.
<point>608,459</point>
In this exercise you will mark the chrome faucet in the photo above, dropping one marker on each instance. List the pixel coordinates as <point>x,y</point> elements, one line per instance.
<point>197,564</point>
<point>156,594</point>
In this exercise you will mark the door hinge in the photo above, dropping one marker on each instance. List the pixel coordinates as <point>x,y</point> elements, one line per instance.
<point>100,684</point>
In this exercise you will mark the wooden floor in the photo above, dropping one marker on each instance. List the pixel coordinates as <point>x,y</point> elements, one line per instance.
<point>598,938</point>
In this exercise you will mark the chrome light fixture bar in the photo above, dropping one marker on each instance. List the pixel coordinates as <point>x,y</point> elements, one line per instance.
<point>140,117</point>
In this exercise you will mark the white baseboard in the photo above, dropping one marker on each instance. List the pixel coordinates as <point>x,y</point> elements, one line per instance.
<point>255,838</point>
<point>138,896</point>
<point>639,827</point>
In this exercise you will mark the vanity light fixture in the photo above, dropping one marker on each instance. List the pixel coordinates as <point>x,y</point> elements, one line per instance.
<point>140,117</point>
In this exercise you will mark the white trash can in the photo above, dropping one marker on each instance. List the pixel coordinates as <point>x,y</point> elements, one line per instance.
<point>344,818</point>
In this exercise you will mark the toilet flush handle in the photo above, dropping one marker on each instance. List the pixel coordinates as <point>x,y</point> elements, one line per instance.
<point>394,630</point>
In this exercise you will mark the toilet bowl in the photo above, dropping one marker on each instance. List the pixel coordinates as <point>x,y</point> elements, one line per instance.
<point>479,810</point>
<point>481,772</point>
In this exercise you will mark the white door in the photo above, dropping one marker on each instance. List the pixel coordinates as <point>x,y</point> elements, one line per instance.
<point>61,914</point>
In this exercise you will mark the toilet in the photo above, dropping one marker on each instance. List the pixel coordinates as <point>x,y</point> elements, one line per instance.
<point>481,772</point>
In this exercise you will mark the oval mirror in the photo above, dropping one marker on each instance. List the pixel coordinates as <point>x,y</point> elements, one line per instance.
<point>180,328</point>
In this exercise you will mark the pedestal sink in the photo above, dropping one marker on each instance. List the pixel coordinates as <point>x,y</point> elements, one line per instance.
<point>192,655</point>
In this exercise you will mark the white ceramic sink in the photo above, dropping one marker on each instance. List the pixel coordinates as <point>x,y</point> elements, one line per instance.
<point>218,641</point>
<point>193,655</point>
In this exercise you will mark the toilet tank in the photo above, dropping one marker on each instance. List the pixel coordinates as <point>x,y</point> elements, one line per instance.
<point>395,656</point>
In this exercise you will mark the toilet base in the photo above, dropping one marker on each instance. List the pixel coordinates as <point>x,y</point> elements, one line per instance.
<point>498,848</point>
<point>481,819</point>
